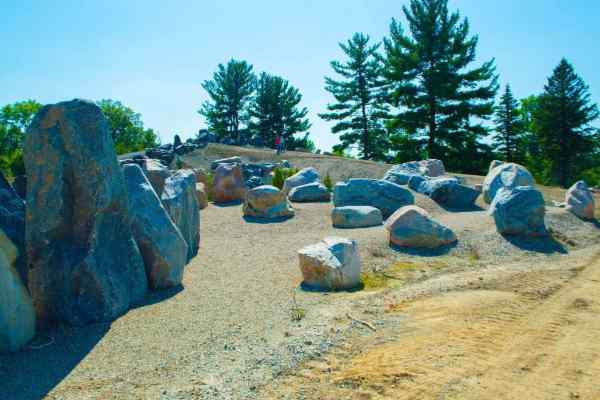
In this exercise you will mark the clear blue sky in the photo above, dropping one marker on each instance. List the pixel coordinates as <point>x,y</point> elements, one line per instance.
<point>153,55</point>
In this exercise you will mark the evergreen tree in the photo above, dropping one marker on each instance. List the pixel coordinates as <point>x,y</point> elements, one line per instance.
<point>563,117</point>
<point>509,127</point>
<point>359,108</point>
<point>441,102</point>
<point>230,92</point>
<point>275,110</point>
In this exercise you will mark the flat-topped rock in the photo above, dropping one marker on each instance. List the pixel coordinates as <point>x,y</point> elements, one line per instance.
<point>267,202</point>
<point>384,195</point>
<point>332,264</point>
<point>302,177</point>
<point>310,193</point>
<point>356,217</point>
<point>412,227</point>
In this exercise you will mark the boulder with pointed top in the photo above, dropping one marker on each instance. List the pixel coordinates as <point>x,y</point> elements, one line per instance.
<point>580,201</point>
<point>412,227</point>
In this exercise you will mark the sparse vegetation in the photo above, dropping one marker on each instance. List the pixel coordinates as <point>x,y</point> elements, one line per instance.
<point>328,182</point>
<point>281,174</point>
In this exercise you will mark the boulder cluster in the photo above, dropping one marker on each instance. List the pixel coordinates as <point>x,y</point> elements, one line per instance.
<point>98,233</point>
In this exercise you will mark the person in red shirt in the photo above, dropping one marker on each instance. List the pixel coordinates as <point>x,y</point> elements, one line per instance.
<point>278,144</point>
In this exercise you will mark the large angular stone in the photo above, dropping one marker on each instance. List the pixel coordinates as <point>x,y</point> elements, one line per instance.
<point>12,222</point>
<point>84,263</point>
<point>17,316</point>
<point>302,177</point>
<point>181,201</point>
<point>505,175</point>
<point>450,193</point>
<point>228,184</point>
<point>384,195</point>
<point>267,202</point>
<point>332,264</point>
<point>163,248</point>
<point>229,161</point>
<point>411,226</point>
<point>519,211</point>
<point>580,201</point>
<point>356,217</point>
<point>310,193</point>
<point>156,173</point>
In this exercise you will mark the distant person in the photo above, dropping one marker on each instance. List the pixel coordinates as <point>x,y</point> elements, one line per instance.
<point>282,145</point>
<point>278,144</point>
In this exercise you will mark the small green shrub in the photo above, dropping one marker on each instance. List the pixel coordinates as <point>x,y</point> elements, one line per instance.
<point>328,182</point>
<point>281,174</point>
<point>209,185</point>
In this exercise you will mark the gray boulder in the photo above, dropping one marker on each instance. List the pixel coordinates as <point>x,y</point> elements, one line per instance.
<point>181,202</point>
<point>412,227</point>
<point>381,194</point>
<point>356,217</point>
<point>253,182</point>
<point>519,211</point>
<point>450,193</point>
<point>505,175</point>
<point>160,242</point>
<point>432,168</point>
<point>494,164</point>
<point>580,201</point>
<point>311,192</point>
<point>267,202</point>
<point>84,263</point>
<point>332,264</point>
<point>12,222</point>
<point>402,173</point>
<point>415,181</point>
<point>302,177</point>
<point>231,161</point>
<point>156,173</point>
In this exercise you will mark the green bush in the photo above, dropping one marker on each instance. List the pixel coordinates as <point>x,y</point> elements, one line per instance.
<point>209,185</point>
<point>328,182</point>
<point>281,174</point>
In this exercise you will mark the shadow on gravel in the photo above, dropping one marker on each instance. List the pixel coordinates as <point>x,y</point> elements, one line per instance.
<point>254,220</point>
<point>314,289</point>
<point>439,251</point>
<point>472,208</point>
<point>56,350</point>
<point>545,244</point>
<point>228,204</point>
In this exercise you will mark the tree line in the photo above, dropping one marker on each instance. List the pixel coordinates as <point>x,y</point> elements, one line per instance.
<point>243,106</point>
<point>126,126</point>
<point>418,95</point>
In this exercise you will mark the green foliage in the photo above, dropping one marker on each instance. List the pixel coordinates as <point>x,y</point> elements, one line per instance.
<point>281,174</point>
<point>230,92</point>
<point>328,182</point>
<point>508,137</point>
<point>126,127</point>
<point>440,101</point>
<point>14,121</point>
<point>563,118</point>
<point>209,186</point>
<point>359,108</point>
<point>275,110</point>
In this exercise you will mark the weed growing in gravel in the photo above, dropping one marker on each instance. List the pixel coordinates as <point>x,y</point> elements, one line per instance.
<point>209,184</point>
<point>473,254</point>
<point>296,313</point>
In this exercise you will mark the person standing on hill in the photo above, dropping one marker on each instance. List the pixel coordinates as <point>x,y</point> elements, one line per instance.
<point>278,144</point>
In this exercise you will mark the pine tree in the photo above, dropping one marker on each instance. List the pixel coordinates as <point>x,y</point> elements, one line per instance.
<point>359,108</point>
<point>230,91</point>
<point>275,110</point>
<point>509,127</point>
<point>441,102</point>
<point>563,117</point>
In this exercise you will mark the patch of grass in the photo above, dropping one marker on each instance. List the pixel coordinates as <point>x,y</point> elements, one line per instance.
<point>373,281</point>
<point>328,182</point>
<point>472,254</point>
<point>297,313</point>
<point>209,185</point>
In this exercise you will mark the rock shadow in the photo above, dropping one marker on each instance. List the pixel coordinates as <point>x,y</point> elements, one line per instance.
<point>471,208</point>
<point>539,244</point>
<point>158,295</point>
<point>256,220</point>
<point>316,289</point>
<point>228,204</point>
<point>425,252</point>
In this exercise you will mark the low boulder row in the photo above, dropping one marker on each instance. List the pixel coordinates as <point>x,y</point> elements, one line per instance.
<point>267,202</point>
<point>161,244</point>
<point>412,227</point>
<point>356,217</point>
<point>85,265</point>
<point>332,264</point>
<point>17,316</point>
<point>580,201</point>
<point>180,199</point>
<point>519,211</point>
<point>310,193</point>
<point>228,184</point>
<point>381,194</point>
<point>302,177</point>
<point>505,175</point>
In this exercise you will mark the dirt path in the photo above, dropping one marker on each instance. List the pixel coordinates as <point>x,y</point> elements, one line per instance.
<point>538,338</point>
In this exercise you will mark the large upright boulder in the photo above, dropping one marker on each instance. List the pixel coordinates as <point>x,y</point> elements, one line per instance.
<point>181,201</point>
<point>267,202</point>
<point>332,264</point>
<point>505,175</point>
<point>381,194</point>
<point>309,193</point>
<point>12,222</point>
<point>17,316</point>
<point>228,184</point>
<point>84,263</point>
<point>412,227</point>
<point>163,248</point>
<point>519,211</point>
<point>580,201</point>
<point>302,177</point>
